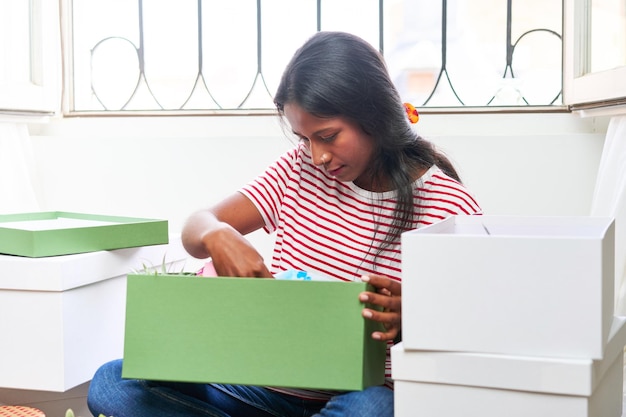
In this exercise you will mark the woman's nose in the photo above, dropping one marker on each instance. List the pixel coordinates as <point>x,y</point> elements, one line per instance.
<point>319,156</point>
<point>322,160</point>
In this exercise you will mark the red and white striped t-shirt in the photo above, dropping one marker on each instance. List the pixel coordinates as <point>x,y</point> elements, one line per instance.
<point>334,228</point>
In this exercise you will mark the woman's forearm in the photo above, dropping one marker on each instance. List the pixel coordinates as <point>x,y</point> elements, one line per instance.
<point>197,231</point>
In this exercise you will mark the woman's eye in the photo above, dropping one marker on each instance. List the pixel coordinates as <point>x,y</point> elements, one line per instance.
<point>328,138</point>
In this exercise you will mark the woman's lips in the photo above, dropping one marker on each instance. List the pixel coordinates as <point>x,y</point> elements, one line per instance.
<point>335,172</point>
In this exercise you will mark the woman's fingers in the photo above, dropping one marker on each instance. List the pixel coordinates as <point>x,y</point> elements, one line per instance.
<point>388,297</point>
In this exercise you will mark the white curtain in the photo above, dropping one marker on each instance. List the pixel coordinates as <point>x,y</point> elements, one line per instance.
<point>610,200</point>
<point>17,179</point>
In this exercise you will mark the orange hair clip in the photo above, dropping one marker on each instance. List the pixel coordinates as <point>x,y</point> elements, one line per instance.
<point>412,113</point>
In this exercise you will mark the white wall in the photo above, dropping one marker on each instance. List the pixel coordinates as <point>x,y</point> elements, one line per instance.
<point>535,164</point>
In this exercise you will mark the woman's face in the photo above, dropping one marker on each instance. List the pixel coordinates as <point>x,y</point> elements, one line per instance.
<point>337,143</point>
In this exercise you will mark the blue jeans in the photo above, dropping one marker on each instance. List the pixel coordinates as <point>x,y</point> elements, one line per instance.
<point>111,395</point>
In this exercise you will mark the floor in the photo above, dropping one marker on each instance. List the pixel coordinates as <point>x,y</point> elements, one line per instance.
<point>56,404</point>
<point>53,404</point>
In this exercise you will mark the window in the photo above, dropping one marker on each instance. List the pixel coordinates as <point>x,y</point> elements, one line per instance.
<point>29,51</point>
<point>595,50</point>
<point>220,56</point>
<point>473,53</point>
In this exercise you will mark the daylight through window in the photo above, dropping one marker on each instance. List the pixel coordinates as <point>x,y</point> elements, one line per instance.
<point>228,55</point>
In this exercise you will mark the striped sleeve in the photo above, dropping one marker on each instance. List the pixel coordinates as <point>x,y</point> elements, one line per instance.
<point>268,190</point>
<point>440,196</point>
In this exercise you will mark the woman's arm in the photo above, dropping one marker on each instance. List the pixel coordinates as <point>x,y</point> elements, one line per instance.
<point>218,232</point>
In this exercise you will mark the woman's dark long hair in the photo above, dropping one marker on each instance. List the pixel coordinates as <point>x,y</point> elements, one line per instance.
<point>339,74</point>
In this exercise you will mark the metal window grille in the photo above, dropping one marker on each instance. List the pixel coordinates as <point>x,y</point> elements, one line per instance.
<point>433,81</point>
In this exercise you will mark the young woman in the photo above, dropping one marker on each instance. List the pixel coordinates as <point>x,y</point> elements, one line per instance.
<point>338,203</point>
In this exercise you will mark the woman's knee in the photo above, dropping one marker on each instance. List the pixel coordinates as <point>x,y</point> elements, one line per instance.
<point>371,402</point>
<point>107,374</point>
<point>103,385</point>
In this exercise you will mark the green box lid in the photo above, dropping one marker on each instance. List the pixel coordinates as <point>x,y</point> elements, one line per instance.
<point>62,233</point>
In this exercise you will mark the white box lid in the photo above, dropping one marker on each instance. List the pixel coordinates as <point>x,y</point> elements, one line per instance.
<point>61,273</point>
<point>501,226</point>
<point>523,373</point>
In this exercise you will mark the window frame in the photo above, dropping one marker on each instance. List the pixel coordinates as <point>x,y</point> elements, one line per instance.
<point>69,109</point>
<point>581,90</point>
<point>40,95</point>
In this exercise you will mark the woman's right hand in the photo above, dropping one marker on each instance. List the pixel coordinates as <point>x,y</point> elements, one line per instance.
<point>219,232</point>
<point>233,255</point>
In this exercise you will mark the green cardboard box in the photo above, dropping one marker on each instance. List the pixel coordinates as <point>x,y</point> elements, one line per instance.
<point>61,233</point>
<point>302,334</point>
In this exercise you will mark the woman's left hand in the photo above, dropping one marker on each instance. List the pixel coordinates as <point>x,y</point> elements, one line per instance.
<point>388,295</point>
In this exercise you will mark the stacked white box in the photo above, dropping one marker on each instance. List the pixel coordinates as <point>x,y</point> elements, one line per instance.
<point>538,286</point>
<point>511,316</point>
<point>447,384</point>
<point>61,317</point>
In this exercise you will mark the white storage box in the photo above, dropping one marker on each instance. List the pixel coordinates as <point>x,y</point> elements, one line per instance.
<point>472,384</point>
<point>62,317</point>
<point>537,286</point>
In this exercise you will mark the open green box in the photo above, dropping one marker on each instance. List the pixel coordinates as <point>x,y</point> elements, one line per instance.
<point>62,233</point>
<point>304,334</point>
